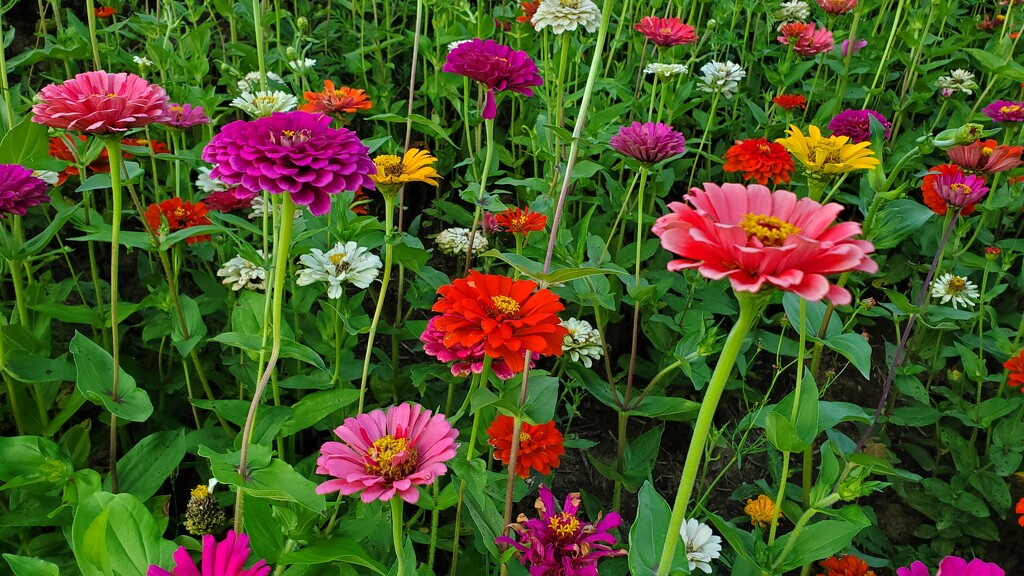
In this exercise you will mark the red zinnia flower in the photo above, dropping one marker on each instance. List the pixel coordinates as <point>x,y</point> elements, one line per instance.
<point>760,160</point>
<point>790,101</point>
<point>156,147</point>
<point>333,100</point>
<point>848,565</point>
<point>986,156</point>
<point>229,200</point>
<point>507,315</point>
<point>179,215</point>
<point>104,11</point>
<point>540,446</point>
<point>946,185</point>
<point>666,31</point>
<point>1020,510</point>
<point>1016,376</point>
<point>521,221</point>
<point>529,9</point>
<point>59,150</point>
<point>359,202</point>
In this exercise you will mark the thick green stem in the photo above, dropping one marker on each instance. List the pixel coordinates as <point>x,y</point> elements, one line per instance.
<point>113,146</point>
<point>396,531</point>
<point>389,222</point>
<point>257,20</point>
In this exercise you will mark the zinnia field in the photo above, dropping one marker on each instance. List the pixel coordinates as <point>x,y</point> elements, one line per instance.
<point>502,287</point>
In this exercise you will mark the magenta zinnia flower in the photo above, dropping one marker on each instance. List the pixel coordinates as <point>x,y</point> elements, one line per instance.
<point>294,152</point>
<point>185,116</point>
<point>957,189</point>
<point>384,454</point>
<point>856,124</point>
<point>648,143</point>
<point>101,103</point>
<point>468,359</point>
<point>809,41</point>
<point>846,49</point>
<point>558,543</point>
<point>1005,111</point>
<point>20,190</point>
<point>666,31</point>
<point>954,566</point>
<point>496,66</point>
<point>219,559</point>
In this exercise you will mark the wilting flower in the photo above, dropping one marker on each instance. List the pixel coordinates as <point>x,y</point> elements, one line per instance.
<point>837,6</point>
<point>666,31</point>
<point>528,8</point>
<point>793,10</point>
<point>520,221</point>
<point>827,156</point>
<point>387,453</point>
<point>251,81</point>
<point>566,15</point>
<point>954,566</point>
<point>760,160</point>
<point>848,565</point>
<point>294,152</point>
<point>300,65</point>
<point>1015,378</point>
<point>754,236</point>
<point>761,511</point>
<point>467,359</point>
<point>241,273</point>
<point>224,558</point>
<point>455,241</point>
<point>414,166</point>
<point>721,77</point>
<point>346,263</point>
<point>496,66</point>
<point>185,116</point>
<point>1004,111</point>
<point>806,39</point>
<point>333,100</point>
<point>104,11</point>
<point>955,289</point>
<point>558,542</point>
<point>582,343</point>
<point>263,104</point>
<point>790,101</point>
<point>986,157</point>
<point>508,316</point>
<point>101,103</point>
<point>856,124</point>
<point>178,214</point>
<point>849,49</point>
<point>958,79</point>
<point>20,190</point>
<point>665,70</point>
<point>202,514</point>
<point>649,143</point>
<point>700,544</point>
<point>946,186</point>
<point>540,446</point>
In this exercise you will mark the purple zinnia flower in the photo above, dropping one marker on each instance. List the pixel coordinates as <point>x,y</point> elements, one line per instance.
<point>856,124</point>
<point>558,542</point>
<point>219,559</point>
<point>295,152</point>
<point>847,49</point>
<point>185,116</point>
<point>467,359</point>
<point>1005,111</point>
<point>648,143</point>
<point>20,190</point>
<point>954,566</point>
<point>496,66</point>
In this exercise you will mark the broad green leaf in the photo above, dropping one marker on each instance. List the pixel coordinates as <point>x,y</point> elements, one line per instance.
<point>26,460</point>
<point>666,408</point>
<point>289,347</point>
<point>29,566</point>
<point>116,535</point>
<point>95,370</point>
<point>145,468</point>
<point>815,542</point>
<point>647,534</point>
<point>855,349</point>
<point>334,550</point>
<point>193,323</point>
<point>26,367</point>
<point>315,407</point>
<point>26,144</point>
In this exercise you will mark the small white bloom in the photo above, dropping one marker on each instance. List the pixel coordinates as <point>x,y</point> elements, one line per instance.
<point>582,343</point>
<point>701,544</point>
<point>241,273</point>
<point>452,45</point>
<point>958,79</point>
<point>345,263</point>
<point>207,184</point>
<point>257,208</point>
<point>48,176</point>
<point>666,70</point>
<point>302,64</point>
<point>721,77</point>
<point>957,289</point>
<point>566,15</point>
<point>455,241</point>
<point>142,61</point>
<point>251,81</point>
<point>793,11</point>
<point>263,104</point>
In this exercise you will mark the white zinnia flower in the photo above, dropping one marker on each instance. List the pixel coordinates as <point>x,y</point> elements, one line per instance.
<point>142,61</point>
<point>302,64</point>
<point>793,11</point>
<point>452,45</point>
<point>263,104</point>
<point>48,176</point>
<point>251,81</point>
<point>566,15</point>
<point>455,241</point>
<point>958,79</point>
<point>257,209</point>
<point>721,77</point>
<point>207,184</point>
<point>666,70</point>
<point>582,343</point>
<point>702,546</point>
<point>345,263</point>
<point>241,273</point>
<point>957,289</point>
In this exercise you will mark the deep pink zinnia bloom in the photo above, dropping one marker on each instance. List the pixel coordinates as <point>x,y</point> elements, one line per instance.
<point>496,66</point>
<point>225,558</point>
<point>856,124</point>
<point>20,190</point>
<point>294,152</point>
<point>809,41</point>
<point>185,116</point>
<point>666,31</point>
<point>649,143</point>
<point>1004,111</point>
<point>101,103</point>
<point>558,542</point>
<point>954,566</point>
<point>467,359</point>
<point>837,6</point>
<point>986,157</point>
<point>754,236</point>
<point>957,189</point>
<point>390,453</point>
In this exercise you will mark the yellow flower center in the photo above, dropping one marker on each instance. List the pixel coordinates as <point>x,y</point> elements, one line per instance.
<point>336,259</point>
<point>564,525</point>
<point>665,31</point>
<point>828,150</point>
<point>1010,109</point>
<point>291,137</point>
<point>390,165</point>
<point>764,148</point>
<point>111,95</point>
<point>201,491</point>
<point>390,458</point>
<point>505,305</point>
<point>771,231</point>
<point>180,213</point>
<point>176,109</point>
<point>956,285</point>
<point>961,188</point>
<point>986,151</point>
<point>524,437</point>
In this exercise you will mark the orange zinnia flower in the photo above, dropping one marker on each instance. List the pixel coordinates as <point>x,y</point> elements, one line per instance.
<point>760,160</point>
<point>333,100</point>
<point>790,101</point>
<point>508,316</point>
<point>179,215</point>
<point>521,221</point>
<point>529,9</point>
<point>1020,510</point>
<point>1015,378</point>
<point>104,11</point>
<point>848,565</point>
<point>539,446</point>
<point>155,146</point>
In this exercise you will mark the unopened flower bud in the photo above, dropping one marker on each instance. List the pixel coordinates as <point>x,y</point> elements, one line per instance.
<point>992,253</point>
<point>302,23</point>
<point>710,24</point>
<point>955,376</point>
<point>291,53</point>
<point>968,134</point>
<point>868,303</point>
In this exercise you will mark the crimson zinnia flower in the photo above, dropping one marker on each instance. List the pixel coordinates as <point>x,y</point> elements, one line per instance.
<point>179,214</point>
<point>183,116</point>
<point>790,101</point>
<point>104,11</point>
<point>806,39</point>
<point>666,31</point>
<point>529,9</point>
<point>754,236</point>
<point>1015,365</point>
<point>760,160</point>
<point>856,124</point>
<point>540,446</point>
<point>848,565</point>
<point>331,100</point>
<point>520,221</point>
<point>649,143</point>
<point>496,66</point>
<point>294,152</point>
<point>229,200</point>
<point>101,103</point>
<point>224,558</point>
<point>20,190</point>
<point>1020,510</point>
<point>946,186</point>
<point>508,316</point>
<point>986,157</point>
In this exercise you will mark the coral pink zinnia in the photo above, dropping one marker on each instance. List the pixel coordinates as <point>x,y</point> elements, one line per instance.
<point>101,103</point>
<point>387,453</point>
<point>837,7</point>
<point>754,236</point>
<point>986,157</point>
<point>805,39</point>
<point>20,190</point>
<point>496,66</point>
<point>225,558</point>
<point>666,31</point>
<point>649,143</point>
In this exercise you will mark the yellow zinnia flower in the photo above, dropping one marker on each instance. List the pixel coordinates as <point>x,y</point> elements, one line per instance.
<point>394,172</point>
<point>827,156</point>
<point>760,511</point>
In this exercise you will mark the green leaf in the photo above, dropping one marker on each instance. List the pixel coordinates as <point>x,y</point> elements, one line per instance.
<point>193,323</point>
<point>647,534</point>
<point>897,221</point>
<point>116,535</point>
<point>26,367</point>
<point>289,347</point>
<point>277,480</point>
<point>741,541</point>
<point>315,407</point>
<point>95,370</point>
<point>145,468</point>
<point>541,399</point>
<point>26,143</point>
<point>35,244</point>
<point>640,457</point>
<point>331,551</point>
<point>993,488</point>
<point>666,408</point>
<point>817,541</point>
<point>855,349</point>
<point>28,566</point>
<point>29,460</point>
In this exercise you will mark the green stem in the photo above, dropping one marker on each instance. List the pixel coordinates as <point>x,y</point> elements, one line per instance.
<point>257,20</point>
<point>11,393</point>
<point>4,86</point>
<point>703,137</point>
<point>389,222</point>
<point>801,523</point>
<point>489,126</point>
<point>90,16</point>
<point>396,531</point>
<point>113,146</point>
<point>481,382</point>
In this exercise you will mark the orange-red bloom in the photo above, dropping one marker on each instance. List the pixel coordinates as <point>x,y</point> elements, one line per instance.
<point>333,100</point>
<point>529,9</point>
<point>521,221</point>
<point>1015,379</point>
<point>104,11</point>
<point>179,215</point>
<point>790,101</point>
<point>508,316</point>
<point>930,193</point>
<point>58,149</point>
<point>540,447</point>
<point>848,565</point>
<point>1020,510</point>
<point>760,160</point>
<point>155,146</point>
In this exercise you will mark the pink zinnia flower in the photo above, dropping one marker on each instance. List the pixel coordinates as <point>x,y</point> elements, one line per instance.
<point>294,152</point>
<point>649,143</point>
<point>847,49</point>
<point>101,103</point>
<point>856,124</point>
<point>955,188</point>
<point>805,39</point>
<point>219,559</point>
<point>954,566</point>
<point>20,190</point>
<point>558,542</point>
<point>468,359</point>
<point>496,66</point>
<point>666,31</point>
<point>1005,111</point>
<point>986,157</point>
<point>185,116</point>
<point>837,6</point>
<point>754,236</point>
<point>384,454</point>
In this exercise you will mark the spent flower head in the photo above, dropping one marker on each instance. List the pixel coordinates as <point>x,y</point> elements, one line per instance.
<point>793,11</point>
<point>582,343</point>
<point>455,241</point>
<point>665,70</point>
<point>251,81</point>
<point>957,80</point>
<point>239,273</point>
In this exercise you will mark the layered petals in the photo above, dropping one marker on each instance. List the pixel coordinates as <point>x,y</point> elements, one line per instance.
<point>101,103</point>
